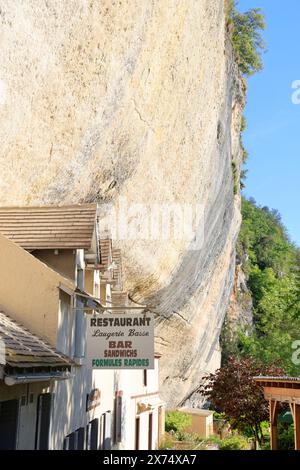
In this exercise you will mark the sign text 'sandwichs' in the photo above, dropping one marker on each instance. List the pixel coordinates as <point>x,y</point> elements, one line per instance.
<point>120,341</point>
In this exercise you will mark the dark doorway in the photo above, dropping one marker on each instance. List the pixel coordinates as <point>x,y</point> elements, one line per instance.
<point>80,438</point>
<point>150,431</point>
<point>9,411</point>
<point>43,421</point>
<point>137,433</point>
<point>94,434</point>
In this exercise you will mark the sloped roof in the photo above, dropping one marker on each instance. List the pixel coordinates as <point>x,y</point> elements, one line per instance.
<point>23,349</point>
<point>49,227</point>
<point>108,255</point>
<point>274,380</point>
<point>117,260</point>
<point>105,245</point>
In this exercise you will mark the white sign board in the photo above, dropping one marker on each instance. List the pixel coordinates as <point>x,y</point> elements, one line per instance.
<point>119,341</point>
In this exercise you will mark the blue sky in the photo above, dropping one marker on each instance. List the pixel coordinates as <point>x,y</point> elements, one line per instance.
<point>273,121</point>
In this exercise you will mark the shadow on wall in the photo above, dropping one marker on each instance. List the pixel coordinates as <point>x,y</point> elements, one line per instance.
<point>69,407</point>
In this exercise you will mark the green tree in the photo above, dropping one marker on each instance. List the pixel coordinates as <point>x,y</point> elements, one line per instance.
<point>264,240</point>
<point>272,264</point>
<point>247,37</point>
<point>277,322</point>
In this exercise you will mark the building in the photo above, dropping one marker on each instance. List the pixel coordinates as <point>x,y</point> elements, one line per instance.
<point>201,421</point>
<point>28,366</point>
<point>55,273</point>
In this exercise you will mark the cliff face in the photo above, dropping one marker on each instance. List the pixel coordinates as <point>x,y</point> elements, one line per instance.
<point>240,309</point>
<point>139,99</point>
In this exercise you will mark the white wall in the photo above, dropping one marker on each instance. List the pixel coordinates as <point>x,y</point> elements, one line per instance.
<point>69,406</point>
<point>131,382</point>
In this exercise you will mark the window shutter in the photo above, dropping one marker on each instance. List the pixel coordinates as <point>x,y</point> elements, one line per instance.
<point>71,438</point>
<point>88,436</point>
<point>80,438</point>
<point>66,443</point>
<point>94,434</point>
<point>101,435</point>
<point>118,417</point>
<point>107,431</point>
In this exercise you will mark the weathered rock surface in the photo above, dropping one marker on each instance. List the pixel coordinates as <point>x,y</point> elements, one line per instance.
<point>240,309</point>
<point>139,99</point>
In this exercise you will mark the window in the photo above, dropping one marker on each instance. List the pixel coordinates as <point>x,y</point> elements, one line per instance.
<point>118,417</point>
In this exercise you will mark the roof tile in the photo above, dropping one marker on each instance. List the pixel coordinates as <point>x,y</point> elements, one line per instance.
<point>49,227</point>
<point>24,349</point>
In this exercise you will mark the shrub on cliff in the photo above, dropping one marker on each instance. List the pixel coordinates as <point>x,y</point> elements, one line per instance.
<point>246,30</point>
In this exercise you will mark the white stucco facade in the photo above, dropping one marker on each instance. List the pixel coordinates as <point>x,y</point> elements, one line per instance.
<point>139,402</point>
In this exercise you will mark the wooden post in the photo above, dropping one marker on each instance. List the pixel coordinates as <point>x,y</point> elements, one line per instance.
<point>297,426</point>
<point>273,423</point>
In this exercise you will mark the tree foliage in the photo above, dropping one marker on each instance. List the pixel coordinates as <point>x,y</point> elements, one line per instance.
<point>272,263</point>
<point>247,37</point>
<point>264,239</point>
<point>232,390</point>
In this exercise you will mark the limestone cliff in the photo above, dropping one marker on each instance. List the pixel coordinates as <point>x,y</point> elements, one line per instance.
<point>140,99</point>
<point>240,309</point>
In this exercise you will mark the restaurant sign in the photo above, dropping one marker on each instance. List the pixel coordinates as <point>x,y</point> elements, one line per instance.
<point>119,341</point>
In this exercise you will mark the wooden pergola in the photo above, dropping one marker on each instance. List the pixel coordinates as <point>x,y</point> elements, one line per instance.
<point>282,390</point>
